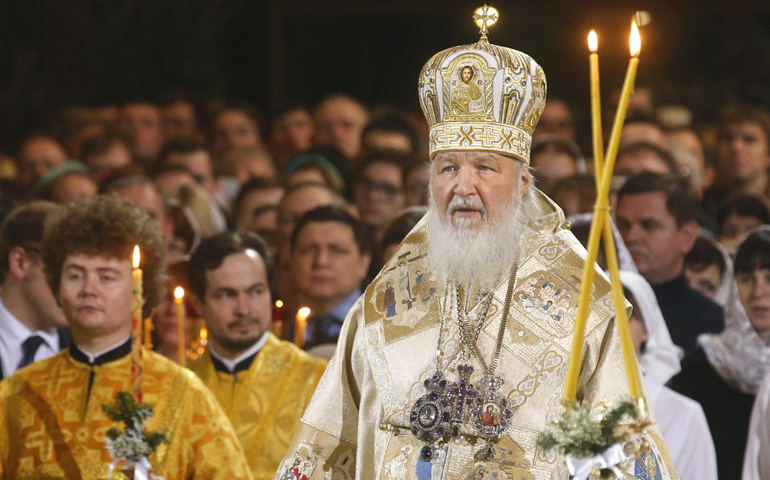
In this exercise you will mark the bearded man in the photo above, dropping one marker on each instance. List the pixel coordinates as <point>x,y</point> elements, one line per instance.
<point>412,379</point>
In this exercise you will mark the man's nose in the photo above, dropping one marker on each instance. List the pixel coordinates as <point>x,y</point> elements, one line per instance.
<point>89,286</point>
<point>632,234</point>
<point>466,182</point>
<point>243,306</point>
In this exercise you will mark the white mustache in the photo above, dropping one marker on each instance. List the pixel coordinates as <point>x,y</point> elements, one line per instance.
<point>460,202</point>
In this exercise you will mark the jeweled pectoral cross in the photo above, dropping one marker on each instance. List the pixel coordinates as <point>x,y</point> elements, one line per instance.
<point>485,17</point>
<point>463,392</point>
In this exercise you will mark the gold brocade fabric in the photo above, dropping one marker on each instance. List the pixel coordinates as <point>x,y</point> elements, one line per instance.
<point>266,401</point>
<point>52,428</point>
<point>357,424</point>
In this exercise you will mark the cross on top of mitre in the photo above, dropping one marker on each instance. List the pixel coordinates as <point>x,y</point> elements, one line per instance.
<point>485,17</point>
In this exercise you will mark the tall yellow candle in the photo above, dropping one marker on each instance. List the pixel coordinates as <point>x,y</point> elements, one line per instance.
<point>635,45</point>
<point>300,326</point>
<point>621,315</point>
<point>601,215</point>
<point>596,107</point>
<point>136,328</point>
<point>179,299</point>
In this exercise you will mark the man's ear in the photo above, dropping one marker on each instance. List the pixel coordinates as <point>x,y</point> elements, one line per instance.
<point>526,180</point>
<point>688,234</point>
<point>18,263</point>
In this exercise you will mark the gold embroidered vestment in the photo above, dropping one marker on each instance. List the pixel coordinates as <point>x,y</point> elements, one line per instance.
<point>357,424</point>
<point>52,428</point>
<point>266,401</point>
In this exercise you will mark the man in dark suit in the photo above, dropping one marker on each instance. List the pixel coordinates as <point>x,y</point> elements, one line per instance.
<point>31,321</point>
<point>656,216</point>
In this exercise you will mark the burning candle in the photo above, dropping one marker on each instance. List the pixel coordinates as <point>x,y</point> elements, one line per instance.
<point>179,299</point>
<point>300,326</point>
<point>136,328</point>
<point>635,45</point>
<point>596,108</point>
<point>601,216</point>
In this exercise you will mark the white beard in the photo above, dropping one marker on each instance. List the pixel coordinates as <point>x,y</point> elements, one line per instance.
<point>462,254</point>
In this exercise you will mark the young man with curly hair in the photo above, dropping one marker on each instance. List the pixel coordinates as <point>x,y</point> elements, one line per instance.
<point>52,421</point>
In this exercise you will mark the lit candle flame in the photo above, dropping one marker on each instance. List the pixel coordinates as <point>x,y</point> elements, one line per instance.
<point>136,256</point>
<point>303,312</point>
<point>179,292</point>
<point>635,41</point>
<point>593,41</point>
<point>279,303</point>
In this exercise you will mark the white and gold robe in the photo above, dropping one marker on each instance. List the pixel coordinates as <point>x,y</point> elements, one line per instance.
<point>357,424</point>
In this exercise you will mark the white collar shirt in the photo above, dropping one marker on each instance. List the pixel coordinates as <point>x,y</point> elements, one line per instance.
<point>13,333</point>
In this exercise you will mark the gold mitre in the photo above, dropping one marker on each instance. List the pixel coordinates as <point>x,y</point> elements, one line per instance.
<point>482,97</point>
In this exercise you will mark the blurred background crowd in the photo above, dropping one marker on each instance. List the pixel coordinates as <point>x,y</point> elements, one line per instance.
<point>335,181</point>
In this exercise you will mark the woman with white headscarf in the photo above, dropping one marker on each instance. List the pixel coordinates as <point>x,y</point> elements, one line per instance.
<point>726,370</point>
<point>681,419</point>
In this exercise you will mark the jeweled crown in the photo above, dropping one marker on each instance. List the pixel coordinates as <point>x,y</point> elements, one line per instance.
<point>482,97</point>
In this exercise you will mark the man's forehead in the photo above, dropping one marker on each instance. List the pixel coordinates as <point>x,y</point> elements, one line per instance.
<point>95,260</point>
<point>643,205</point>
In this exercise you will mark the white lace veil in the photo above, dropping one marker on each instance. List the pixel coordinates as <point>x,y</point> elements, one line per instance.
<point>738,354</point>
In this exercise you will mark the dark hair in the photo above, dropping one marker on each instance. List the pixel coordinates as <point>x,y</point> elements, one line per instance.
<point>214,249</point>
<point>106,226</point>
<point>180,95</point>
<point>245,108</point>
<point>394,123</point>
<point>746,113</point>
<point>743,206</point>
<point>553,144</point>
<point>400,160</point>
<point>286,108</point>
<point>23,227</point>
<point>182,145</point>
<point>703,255</point>
<point>681,200</point>
<point>252,185</point>
<point>753,253</point>
<point>102,143</point>
<point>331,213</point>
<point>638,148</point>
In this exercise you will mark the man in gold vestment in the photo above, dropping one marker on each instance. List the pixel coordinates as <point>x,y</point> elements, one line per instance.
<point>51,420</point>
<point>458,380</point>
<point>263,384</point>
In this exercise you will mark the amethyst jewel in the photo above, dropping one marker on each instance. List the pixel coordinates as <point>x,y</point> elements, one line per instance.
<point>430,419</point>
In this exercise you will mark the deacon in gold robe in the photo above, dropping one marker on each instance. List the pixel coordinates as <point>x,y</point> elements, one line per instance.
<point>264,384</point>
<point>460,378</point>
<point>51,420</point>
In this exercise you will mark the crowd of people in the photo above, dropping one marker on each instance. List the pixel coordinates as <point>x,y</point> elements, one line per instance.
<point>258,216</point>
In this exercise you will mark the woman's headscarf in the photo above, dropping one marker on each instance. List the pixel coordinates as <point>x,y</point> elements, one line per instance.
<point>661,357</point>
<point>738,354</point>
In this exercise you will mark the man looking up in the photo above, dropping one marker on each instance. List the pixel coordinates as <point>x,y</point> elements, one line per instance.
<point>656,217</point>
<point>52,424</point>
<point>262,383</point>
<point>29,315</point>
<point>330,255</point>
<point>481,293</point>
